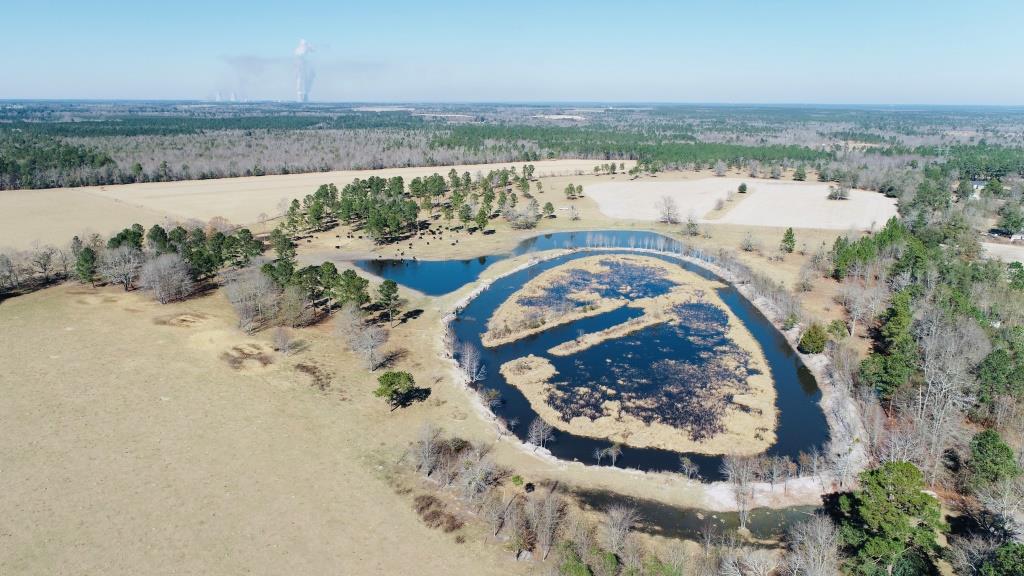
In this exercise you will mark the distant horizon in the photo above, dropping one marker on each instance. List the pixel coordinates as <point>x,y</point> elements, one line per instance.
<point>538,103</point>
<point>873,52</point>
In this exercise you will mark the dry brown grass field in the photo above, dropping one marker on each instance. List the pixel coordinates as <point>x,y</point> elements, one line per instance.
<point>53,216</point>
<point>134,444</point>
<point>161,438</point>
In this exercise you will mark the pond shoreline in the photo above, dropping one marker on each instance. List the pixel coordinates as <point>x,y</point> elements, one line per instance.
<point>842,416</point>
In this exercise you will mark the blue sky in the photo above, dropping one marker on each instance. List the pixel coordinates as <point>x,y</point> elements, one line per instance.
<point>781,51</point>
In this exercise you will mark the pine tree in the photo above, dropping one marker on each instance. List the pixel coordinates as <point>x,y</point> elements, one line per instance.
<point>788,241</point>
<point>387,298</point>
<point>891,522</point>
<point>85,265</point>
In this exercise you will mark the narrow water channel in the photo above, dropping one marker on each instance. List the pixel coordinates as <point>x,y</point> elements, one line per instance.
<point>801,425</point>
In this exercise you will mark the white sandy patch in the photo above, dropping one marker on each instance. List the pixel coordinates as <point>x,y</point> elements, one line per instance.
<point>806,205</point>
<point>1004,252</point>
<point>383,109</point>
<point>767,203</point>
<point>573,117</point>
<point>639,200</point>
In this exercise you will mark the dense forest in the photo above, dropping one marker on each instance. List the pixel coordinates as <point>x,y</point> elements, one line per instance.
<point>47,144</point>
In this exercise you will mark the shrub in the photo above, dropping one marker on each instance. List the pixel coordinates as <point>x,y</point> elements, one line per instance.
<point>517,480</point>
<point>790,322</point>
<point>571,564</point>
<point>692,229</point>
<point>838,192</point>
<point>743,188</point>
<point>609,562</point>
<point>813,340</point>
<point>837,329</point>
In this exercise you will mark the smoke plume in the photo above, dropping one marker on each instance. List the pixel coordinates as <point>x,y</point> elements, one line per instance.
<point>304,73</point>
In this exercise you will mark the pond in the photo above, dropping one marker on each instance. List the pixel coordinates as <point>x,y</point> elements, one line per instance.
<point>660,519</point>
<point>436,277</point>
<point>801,423</point>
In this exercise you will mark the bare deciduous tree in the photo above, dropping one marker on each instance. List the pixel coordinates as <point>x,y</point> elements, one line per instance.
<point>540,432</point>
<point>756,561</point>
<point>935,408</point>
<point>167,276</point>
<point>633,555</point>
<point>294,308</point>
<point>688,468</point>
<point>861,302</point>
<point>844,362</point>
<point>578,530</point>
<point>427,448</point>
<point>519,535</point>
<point>494,511</point>
<point>1005,500</point>
<point>739,471</point>
<point>814,548</point>
<point>619,521</point>
<point>968,554</point>
<point>254,297</point>
<point>121,266</point>
<point>347,321</point>
<point>471,364</point>
<point>668,210</point>
<point>43,261</point>
<point>282,339</point>
<point>613,452</point>
<point>9,273</point>
<point>366,343</point>
<point>720,168</point>
<point>546,514</point>
<point>477,472</point>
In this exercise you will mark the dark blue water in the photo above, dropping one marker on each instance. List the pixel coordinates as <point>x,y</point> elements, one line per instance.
<point>436,277</point>
<point>801,425</point>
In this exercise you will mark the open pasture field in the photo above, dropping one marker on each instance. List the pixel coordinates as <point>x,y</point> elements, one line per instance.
<point>141,438</point>
<point>769,203</point>
<point>201,449</point>
<point>52,216</point>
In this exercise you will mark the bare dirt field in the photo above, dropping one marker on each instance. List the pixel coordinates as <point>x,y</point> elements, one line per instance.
<point>53,216</point>
<point>1004,252</point>
<point>771,203</point>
